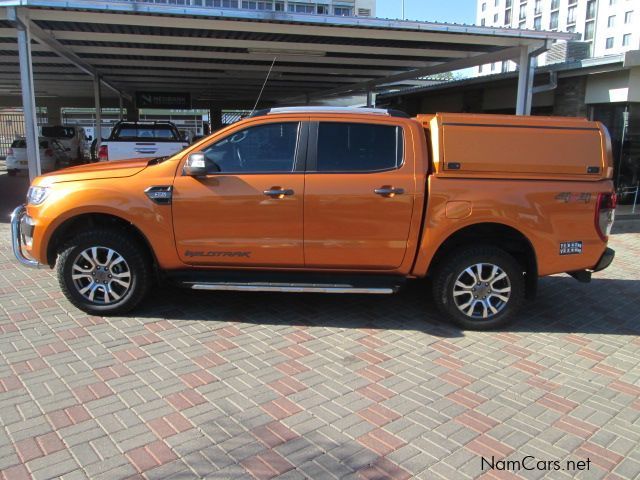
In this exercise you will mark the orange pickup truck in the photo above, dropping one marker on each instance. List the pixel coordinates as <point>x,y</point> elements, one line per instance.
<point>331,200</point>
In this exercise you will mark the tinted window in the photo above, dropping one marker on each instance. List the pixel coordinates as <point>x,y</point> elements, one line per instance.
<point>132,132</point>
<point>58,132</point>
<point>267,148</point>
<point>358,147</point>
<point>20,143</point>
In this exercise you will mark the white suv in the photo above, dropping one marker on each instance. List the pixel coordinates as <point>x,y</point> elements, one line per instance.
<point>73,139</point>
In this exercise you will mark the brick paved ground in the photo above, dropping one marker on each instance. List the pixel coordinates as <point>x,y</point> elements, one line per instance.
<point>197,385</point>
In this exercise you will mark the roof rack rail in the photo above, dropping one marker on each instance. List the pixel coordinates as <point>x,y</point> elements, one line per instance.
<point>320,109</point>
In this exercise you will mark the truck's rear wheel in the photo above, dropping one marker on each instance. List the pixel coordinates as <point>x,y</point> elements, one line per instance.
<point>479,288</point>
<point>103,272</point>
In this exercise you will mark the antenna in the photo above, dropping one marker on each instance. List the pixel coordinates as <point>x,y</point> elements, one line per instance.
<point>263,85</point>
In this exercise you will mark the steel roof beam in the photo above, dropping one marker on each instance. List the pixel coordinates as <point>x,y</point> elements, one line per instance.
<point>505,54</point>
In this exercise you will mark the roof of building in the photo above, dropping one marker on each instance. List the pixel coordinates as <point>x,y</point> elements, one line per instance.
<point>588,63</point>
<point>222,55</point>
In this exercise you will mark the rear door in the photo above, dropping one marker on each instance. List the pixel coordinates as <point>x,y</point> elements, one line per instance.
<point>359,195</point>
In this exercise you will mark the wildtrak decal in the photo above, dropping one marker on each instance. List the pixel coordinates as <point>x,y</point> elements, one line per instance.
<point>210,253</point>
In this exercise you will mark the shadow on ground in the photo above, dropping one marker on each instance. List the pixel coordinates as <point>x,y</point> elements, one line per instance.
<point>563,305</point>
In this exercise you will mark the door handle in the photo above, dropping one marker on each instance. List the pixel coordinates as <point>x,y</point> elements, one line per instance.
<point>386,191</point>
<point>277,192</point>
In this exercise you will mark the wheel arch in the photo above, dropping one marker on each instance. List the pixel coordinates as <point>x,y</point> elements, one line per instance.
<point>498,235</point>
<point>83,221</point>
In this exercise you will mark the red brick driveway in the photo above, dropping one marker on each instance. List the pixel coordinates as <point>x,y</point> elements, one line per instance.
<point>197,385</point>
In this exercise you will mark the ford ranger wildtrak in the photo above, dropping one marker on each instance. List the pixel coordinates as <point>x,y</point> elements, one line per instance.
<point>335,200</point>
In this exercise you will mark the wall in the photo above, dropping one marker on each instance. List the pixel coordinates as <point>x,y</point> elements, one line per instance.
<point>569,97</point>
<point>608,87</point>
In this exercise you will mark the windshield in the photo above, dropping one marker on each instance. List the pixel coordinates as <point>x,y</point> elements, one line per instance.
<point>58,132</point>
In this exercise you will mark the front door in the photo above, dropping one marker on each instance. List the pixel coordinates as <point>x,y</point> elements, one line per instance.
<point>359,196</point>
<point>248,210</point>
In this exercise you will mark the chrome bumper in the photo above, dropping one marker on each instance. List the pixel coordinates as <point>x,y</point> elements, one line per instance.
<point>16,238</point>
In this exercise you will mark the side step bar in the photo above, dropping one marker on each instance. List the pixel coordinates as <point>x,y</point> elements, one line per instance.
<point>290,287</point>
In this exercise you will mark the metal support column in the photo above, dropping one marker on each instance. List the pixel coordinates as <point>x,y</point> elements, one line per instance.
<point>98,117</point>
<point>120,110</point>
<point>28,99</point>
<point>370,99</point>
<point>525,82</point>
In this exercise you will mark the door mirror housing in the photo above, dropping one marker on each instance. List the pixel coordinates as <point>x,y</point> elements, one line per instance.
<point>196,165</point>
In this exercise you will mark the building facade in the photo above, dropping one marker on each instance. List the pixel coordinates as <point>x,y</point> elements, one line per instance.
<point>341,8</point>
<point>607,27</point>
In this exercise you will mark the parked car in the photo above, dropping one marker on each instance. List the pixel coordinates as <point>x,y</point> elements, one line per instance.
<point>141,140</point>
<point>72,138</point>
<point>52,155</point>
<point>336,201</point>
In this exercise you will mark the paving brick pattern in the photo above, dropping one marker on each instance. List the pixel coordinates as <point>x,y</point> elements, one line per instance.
<point>226,385</point>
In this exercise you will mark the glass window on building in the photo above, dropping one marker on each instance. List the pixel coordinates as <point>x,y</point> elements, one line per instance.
<point>537,23</point>
<point>225,3</point>
<point>591,9</point>
<point>612,2</point>
<point>523,11</point>
<point>279,7</point>
<point>609,43</point>
<point>507,17</point>
<point>482,22</point>
<point>571,29</point>
<point>538,7</point>
<point>484,7</point>
<point>523,24</point>
<point>496,2</point>
<point>342,11</point>
<point>573,2</point>
<point>627,17</point>
<point>301,8</point>
<point>322,9</point>
<point>589,30</point>
<point>626,40</point>
<point>507,4</point>
<point>571,15</point>
<point>495,18</point>
<point>611,21</point>
<point>553,21</point>
<point>555,4</point>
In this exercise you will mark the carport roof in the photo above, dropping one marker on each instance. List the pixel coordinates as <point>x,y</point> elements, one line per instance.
<point>219,55</point>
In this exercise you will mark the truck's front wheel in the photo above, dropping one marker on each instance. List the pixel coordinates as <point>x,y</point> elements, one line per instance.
<point>479,288</point>
<point>103,272</point>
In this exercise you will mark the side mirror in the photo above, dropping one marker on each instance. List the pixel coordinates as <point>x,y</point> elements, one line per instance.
<point>196,165</point>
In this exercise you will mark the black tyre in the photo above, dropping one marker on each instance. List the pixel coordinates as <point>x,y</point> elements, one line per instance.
<point>479,288</point>
<point>104,271</point>
<point>12,172</point>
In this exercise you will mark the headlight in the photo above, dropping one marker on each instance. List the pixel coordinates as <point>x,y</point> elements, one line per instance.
<point>37,195</point>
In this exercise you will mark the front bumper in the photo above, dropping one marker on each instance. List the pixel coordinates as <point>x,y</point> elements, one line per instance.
<point>21,231</point>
